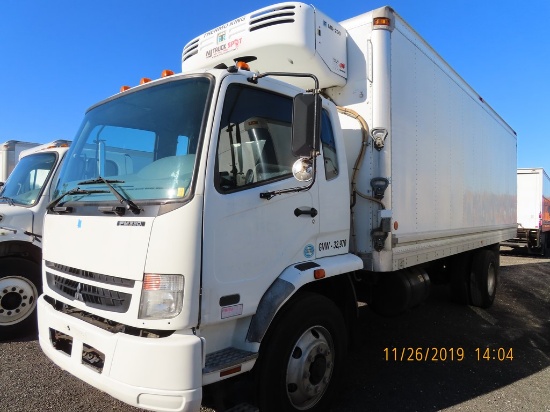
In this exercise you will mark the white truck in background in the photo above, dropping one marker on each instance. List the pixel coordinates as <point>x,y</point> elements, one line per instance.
<point>533,211</point>
<point>23,202</point>
<point>229,221</point>
<point>9,156</point>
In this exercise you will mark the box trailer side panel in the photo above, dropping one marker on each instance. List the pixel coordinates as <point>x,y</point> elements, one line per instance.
<point>453,183</point>
<point>530,197</point>
<point>545,203</point>
<point>449,158</point>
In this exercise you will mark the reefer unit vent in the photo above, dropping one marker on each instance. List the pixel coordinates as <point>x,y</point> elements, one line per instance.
<point>288,37</point>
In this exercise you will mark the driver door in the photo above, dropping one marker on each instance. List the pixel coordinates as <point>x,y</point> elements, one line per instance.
<point>248,240</point>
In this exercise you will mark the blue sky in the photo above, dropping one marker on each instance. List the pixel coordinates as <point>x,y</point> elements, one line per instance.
<point>58,57</point>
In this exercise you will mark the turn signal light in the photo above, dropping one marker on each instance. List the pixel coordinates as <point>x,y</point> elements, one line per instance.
<point>319,273</point>
<point>152,282</point>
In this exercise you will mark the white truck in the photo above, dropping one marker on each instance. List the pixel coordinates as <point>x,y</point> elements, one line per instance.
<point>204,258</point>
<point>533,211</point>
<point>9,156</point>
<point>23,201</point>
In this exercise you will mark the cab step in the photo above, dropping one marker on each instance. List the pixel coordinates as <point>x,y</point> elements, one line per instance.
<point>227,358</point>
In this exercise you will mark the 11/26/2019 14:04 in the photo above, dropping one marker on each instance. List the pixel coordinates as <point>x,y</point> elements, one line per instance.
<point>435,354</point>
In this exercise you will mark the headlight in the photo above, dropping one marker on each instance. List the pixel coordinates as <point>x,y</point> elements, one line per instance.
<point>161,296</point>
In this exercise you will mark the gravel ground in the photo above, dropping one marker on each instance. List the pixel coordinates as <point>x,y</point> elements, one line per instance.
<point>519,320</point>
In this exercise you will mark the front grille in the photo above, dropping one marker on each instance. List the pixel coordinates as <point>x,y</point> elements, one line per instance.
<point>86,274</point>
<point>92,296</point>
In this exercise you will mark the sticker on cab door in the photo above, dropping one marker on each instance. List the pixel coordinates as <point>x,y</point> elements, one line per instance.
<point>230,311</point>
<point>309,251</point>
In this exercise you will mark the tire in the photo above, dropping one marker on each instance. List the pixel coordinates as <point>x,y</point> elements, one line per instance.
<point>460,268</point>
<point>20,286</point>
<point>546,245</point>
<point>484,278</point>
<point>302,357</point>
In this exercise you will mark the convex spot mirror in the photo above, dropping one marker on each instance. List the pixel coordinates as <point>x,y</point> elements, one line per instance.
<point>302,169</point>
<point>306,124</point>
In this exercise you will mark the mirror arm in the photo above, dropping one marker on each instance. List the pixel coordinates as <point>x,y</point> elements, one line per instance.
<point>254,79</point>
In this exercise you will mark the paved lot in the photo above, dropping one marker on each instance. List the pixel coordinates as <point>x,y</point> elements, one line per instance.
<point>378,380</point>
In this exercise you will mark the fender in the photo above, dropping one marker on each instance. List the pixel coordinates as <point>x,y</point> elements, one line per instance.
<point>289,282</point>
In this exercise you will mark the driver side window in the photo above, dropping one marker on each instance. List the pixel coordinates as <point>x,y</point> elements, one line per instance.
<point>254,143</point>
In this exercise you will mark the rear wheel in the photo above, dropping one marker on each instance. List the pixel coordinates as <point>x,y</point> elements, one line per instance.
<point>484,278</point>
<point>302,358</point>
<point>20,286</point>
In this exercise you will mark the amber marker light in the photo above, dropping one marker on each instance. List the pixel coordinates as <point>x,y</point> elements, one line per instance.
<point>144,80</point>
<point>166,73</point>
<point>319,273</point>
<point>242,66</point>
<point>124,88</point>
<point>381,21</point>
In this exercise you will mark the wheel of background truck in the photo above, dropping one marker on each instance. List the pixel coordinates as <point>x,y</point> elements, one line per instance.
<point>20,286</point>
<point>546,245</point>
<point>460,269</point>
<point>484,278</point>
<point>302,357</point>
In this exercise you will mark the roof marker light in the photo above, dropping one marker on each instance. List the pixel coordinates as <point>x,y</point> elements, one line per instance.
<point>124,88</point>
<point>381,21</point>
<point>242,65</point>
<point>166,73</point>
<point>144,80</point>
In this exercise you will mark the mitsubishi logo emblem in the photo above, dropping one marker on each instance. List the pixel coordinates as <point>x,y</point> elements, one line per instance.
<point>77,294</point>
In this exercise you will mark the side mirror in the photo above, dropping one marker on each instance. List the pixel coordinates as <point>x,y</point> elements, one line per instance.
<point>306,124</point>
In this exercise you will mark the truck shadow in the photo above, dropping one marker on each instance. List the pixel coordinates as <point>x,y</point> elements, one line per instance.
<point>379,378</point>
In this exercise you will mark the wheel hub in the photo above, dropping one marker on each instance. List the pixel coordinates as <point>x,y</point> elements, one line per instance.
<point>17,299</point>
<point>310,368</point>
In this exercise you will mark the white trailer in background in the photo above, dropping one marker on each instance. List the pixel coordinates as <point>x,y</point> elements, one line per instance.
<point>533,211</point>
<point>204,258</point>
<point>9,156</point>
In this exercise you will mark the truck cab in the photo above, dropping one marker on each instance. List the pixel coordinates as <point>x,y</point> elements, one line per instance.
<point>23,201</point>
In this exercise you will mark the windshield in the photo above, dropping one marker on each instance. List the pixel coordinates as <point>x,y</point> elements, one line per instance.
<point>143,143</point>
<point>27,179</point>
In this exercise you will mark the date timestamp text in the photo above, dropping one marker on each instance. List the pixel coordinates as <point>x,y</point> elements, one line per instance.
<point>436,354</point>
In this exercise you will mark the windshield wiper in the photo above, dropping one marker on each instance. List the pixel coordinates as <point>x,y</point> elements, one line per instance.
<point>9,200</point>
<point>75,191</point>
<point>135,209</point>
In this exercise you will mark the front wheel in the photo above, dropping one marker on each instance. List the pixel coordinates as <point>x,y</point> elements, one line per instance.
<point>20,286</point>
<point>303,356</point>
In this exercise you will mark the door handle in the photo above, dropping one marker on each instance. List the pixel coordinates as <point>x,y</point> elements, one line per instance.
<point>305,211</point>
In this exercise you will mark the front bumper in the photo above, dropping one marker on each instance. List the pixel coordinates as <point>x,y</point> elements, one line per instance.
<point>162,374</point>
